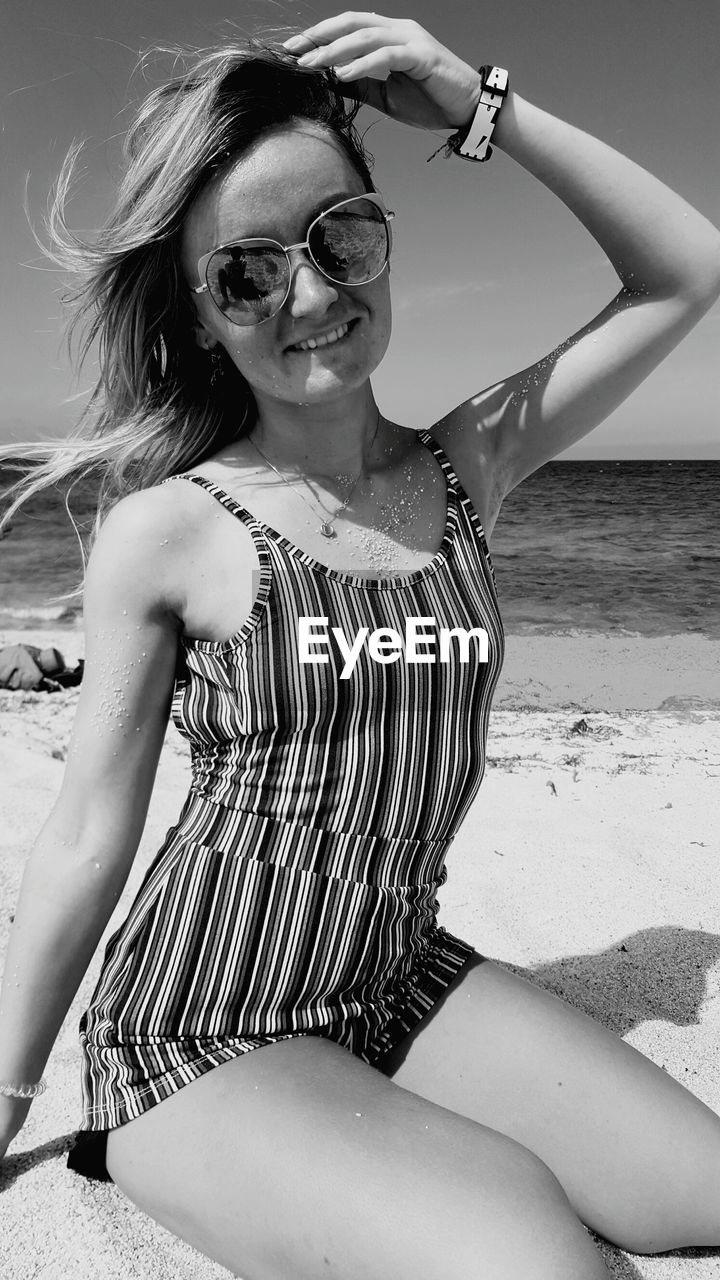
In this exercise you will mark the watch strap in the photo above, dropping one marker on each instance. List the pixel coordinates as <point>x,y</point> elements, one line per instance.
<point>473,143</point>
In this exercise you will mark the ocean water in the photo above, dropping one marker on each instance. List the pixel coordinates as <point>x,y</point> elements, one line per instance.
<point>615,547</point>
<point>612,547</point>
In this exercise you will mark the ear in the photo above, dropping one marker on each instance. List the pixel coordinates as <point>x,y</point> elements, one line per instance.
<point>203,336</point>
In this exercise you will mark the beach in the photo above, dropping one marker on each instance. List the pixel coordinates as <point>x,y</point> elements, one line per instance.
<point>588,863</point>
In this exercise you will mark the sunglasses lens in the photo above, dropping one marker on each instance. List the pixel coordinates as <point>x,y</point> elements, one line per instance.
<point>350,244</point>
<point>248,284</point>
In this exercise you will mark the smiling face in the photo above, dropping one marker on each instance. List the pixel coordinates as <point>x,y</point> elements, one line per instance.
<point>275,190</point>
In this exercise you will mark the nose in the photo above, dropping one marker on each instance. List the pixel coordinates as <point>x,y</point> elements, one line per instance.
<point>310,290</point>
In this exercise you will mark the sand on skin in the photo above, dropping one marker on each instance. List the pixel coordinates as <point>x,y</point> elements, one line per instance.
<point>588,863</point>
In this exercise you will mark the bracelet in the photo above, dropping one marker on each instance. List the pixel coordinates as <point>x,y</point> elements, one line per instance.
<point>472,141</point>
<point>23,1090</point>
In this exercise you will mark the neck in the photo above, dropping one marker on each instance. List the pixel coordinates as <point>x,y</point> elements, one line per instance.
<point>323,440</point>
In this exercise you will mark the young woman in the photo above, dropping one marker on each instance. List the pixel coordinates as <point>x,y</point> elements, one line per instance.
<point>415,1112</point>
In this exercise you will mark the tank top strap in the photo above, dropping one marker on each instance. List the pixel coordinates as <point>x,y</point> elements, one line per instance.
<point>255,527</point>
<point>224,498</point>
<point>450,476</point>
<point>462,497</point>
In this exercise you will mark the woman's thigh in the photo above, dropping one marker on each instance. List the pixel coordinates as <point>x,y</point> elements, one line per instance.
<point>637,1154</point>
<point>298,1161</point>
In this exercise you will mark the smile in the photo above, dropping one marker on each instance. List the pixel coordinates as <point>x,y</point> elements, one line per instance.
<point>323,339</point>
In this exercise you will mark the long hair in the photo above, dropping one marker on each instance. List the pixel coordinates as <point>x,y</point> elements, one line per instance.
<point>156,409</point>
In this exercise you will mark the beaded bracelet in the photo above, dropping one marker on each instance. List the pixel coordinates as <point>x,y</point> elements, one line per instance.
<point>23,1090</point>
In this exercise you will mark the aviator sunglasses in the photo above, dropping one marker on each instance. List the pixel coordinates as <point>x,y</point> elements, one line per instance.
<point>249,280</point>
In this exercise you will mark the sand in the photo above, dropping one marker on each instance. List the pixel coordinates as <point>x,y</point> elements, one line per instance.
<point>588,863</point>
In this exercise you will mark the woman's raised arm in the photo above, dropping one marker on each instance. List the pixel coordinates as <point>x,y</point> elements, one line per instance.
<point>80,861</point>
<point>665,253</point>
<point>667,258</point>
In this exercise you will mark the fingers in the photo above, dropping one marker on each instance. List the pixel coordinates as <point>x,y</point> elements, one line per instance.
<point>333,28</point>
<point>371,53</point>
<point>376,66</point>
<point>347,48</point>
<point>377,62</point>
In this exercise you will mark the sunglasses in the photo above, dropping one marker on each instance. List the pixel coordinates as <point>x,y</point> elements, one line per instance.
<point>249,280</point>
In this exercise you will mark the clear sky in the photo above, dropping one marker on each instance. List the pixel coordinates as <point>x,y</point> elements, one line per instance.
<point>490,271</point>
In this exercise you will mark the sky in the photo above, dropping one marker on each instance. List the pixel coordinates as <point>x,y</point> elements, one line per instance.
<point>490,271</point>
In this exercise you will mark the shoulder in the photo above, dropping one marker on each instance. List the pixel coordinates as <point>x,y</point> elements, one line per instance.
<point>139,523</point>
<point>162,515</point>
<point>139,546</point>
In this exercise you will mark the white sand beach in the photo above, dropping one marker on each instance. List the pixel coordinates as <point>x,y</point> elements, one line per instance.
<point>588,862</point>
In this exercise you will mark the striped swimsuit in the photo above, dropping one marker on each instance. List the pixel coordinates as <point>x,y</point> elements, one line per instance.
<point>296,893</point>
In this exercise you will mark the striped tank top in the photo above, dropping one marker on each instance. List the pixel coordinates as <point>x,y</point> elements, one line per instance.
<point>297,891</point>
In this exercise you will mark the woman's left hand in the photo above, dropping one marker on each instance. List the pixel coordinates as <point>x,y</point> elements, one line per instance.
<point>395,65</point>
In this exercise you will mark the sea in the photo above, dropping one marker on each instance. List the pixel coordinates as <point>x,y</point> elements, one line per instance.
<point>625,547</point>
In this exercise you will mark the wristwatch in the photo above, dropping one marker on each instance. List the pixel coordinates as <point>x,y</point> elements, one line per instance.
<point>473,142</point>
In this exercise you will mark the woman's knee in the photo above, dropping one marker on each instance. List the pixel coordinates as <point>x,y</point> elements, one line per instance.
<point>533,1229</point>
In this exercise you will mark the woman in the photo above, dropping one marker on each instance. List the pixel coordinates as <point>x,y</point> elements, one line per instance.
<point>416,1111</point>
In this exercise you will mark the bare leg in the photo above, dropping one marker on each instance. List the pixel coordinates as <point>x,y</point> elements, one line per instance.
<point>298,1161</point>
<point>637,1154</point>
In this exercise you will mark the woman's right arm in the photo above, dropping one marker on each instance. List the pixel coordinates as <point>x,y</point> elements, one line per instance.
<point>83,854</point>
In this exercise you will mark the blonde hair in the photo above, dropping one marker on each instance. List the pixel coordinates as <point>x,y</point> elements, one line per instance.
<point>154,409</point>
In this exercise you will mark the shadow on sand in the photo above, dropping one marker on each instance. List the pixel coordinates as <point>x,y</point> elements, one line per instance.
<point>657,974</point>
<point>15,1165</point>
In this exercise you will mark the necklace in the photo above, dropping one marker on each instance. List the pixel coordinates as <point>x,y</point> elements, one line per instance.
<point>326,526</point>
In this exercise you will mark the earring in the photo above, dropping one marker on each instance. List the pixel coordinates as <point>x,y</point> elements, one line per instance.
<point>216,367</point>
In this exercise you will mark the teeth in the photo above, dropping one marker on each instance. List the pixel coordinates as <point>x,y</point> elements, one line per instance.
<point>324,340</point>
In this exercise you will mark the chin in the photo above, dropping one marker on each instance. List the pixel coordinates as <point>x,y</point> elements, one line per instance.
<point>328,383</point>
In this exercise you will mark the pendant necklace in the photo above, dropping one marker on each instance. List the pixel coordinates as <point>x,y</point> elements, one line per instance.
<point>326,526</point>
